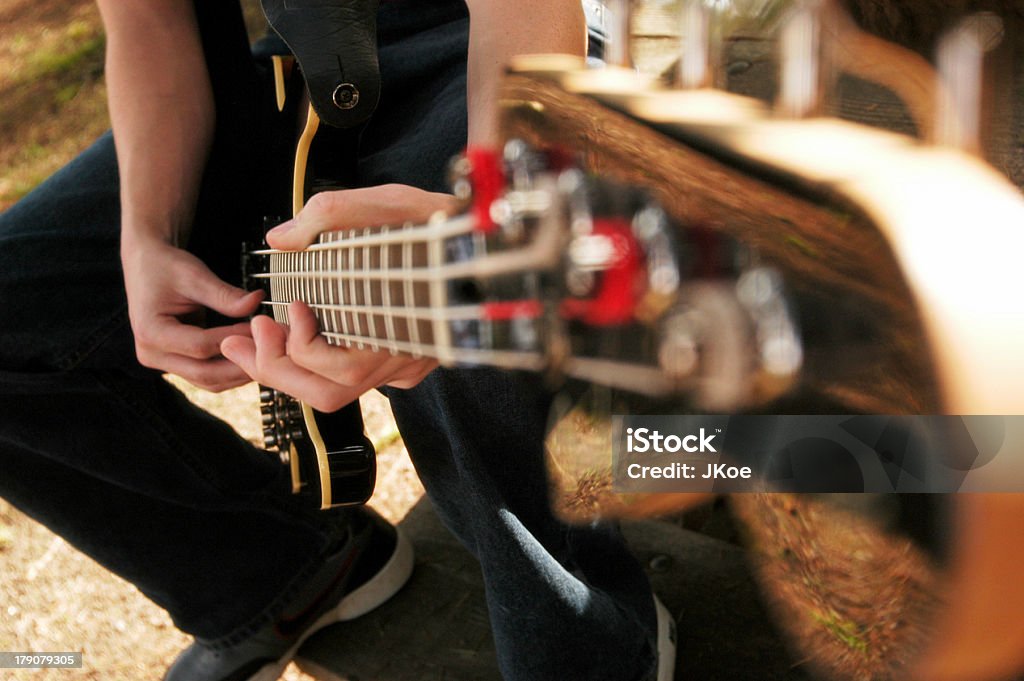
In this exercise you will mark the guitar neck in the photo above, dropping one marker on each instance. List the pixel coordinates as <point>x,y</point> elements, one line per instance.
<point>449,291</point>
<point>578,277</point>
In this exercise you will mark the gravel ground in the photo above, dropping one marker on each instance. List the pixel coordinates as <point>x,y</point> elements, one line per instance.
<point>55,599</point>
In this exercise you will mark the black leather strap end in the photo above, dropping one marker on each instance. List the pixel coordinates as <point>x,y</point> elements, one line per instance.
<point>335,43</point>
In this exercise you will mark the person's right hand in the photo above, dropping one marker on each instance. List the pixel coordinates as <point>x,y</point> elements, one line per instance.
<point>169,291</point>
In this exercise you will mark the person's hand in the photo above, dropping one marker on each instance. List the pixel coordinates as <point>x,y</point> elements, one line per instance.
<point>297,359</point>
<point>169,291</point>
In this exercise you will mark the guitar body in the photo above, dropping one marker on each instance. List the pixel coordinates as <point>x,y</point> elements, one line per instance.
<point>329,456</point>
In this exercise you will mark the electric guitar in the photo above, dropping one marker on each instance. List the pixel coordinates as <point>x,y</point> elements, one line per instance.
<point>688,250</point>
<point>513,283</point>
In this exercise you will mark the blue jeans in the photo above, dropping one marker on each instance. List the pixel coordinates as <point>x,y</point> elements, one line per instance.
<point>110,456</point>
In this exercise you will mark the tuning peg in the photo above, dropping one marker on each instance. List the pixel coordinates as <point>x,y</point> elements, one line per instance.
<point>805,44</point>
<point>695,59</point>
<point>616,51</point>
<point>961,62</point>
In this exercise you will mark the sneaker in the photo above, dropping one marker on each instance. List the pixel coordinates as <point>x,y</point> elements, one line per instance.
<point>666,642</point>
<point>371,565</point>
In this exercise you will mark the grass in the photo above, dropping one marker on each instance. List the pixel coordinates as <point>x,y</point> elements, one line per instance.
<point>844,630</point>
<point>53,98</point>
<point>86,56</point>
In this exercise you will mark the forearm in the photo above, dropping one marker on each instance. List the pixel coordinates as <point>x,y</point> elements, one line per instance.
<point>502,29</point>
<point>162,113</point>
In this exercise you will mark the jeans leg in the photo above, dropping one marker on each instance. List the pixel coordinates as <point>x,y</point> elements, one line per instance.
<point>107,453</point>
<point>565,602</point>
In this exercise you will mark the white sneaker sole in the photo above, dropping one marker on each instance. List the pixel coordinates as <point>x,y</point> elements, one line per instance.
<point>377,591</point>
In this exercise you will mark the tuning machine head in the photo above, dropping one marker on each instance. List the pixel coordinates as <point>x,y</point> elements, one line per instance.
<point>962,56</point>
<point>733,342</point>
<point>808,37</point>
<point>616,49</point>
<point>507,194</point>
<point>282,421</point>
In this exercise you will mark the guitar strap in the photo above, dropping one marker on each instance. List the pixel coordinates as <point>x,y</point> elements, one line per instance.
<point>335,44</point>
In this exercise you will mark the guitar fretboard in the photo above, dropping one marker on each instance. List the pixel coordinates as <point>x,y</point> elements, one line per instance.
<point>376,288</point>
<point>387,288</point>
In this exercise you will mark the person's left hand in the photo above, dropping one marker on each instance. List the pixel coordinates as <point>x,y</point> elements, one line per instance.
<point>297,359</point>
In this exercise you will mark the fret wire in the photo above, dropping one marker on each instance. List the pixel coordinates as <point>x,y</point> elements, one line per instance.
<point>371,326</point>
<point>293,281</point>
<point>284,282</point>
<point>307,293</point>
<point>289,289</point>
<point>332,291</point>
<point>321,292</point>
<point>409,293</point>
<point>438,294</point>
<point>385,298</point>
<point>304,281</point>
<point>274,283</point>
<point>285,285</point>
<point>289,283</point>
<point>341,293</point>
<point>322,289</point>
<point>420,234</point>
<point>486,333</point>
<point>312,284</point>
<point>296,280</point>
<point>351,274</point>
<point>277,284</point>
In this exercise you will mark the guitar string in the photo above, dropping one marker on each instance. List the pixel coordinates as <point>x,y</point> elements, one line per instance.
<point>295,272</point>
<point>420,233</point>
<point>625,375</point>
<point>514,359</point>
<point>452,312</point>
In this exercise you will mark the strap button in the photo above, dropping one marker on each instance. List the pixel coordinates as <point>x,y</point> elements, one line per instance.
<point>345,96</point>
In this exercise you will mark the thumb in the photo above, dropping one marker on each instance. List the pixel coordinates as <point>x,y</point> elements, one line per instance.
<point>357,208</point>
<point>324,212</point>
